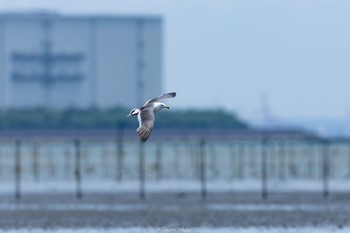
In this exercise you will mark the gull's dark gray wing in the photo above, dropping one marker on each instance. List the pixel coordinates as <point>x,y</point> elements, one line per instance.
<point>164,96</point>
<point>146,122</point>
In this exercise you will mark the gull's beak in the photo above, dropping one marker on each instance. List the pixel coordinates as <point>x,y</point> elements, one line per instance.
<point>166,106</point>
<point>128,115</point>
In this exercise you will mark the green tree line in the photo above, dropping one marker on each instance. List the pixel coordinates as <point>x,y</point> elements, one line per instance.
<point>93,118</point>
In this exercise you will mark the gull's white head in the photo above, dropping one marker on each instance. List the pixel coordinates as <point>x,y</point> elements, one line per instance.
<point>159,106</point>
<point>134,112</point>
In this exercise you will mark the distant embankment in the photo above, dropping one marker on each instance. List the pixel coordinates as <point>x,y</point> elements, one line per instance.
<point>158,135</point>
<point>97,124</point>
<point>114,118</point>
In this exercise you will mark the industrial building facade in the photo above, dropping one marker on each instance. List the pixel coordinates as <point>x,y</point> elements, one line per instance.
<point>60,61</point>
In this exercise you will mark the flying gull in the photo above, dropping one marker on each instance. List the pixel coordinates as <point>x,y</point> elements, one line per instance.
<point>145,114</point>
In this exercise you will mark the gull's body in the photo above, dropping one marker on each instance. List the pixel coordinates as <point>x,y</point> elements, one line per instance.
<point>145,114</point>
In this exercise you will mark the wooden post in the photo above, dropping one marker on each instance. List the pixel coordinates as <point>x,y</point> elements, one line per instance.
<point>176,158</point>
<point>202,169</point>
<point>264,175</point>
<point>325,163</point>
<point>77,173</point>
<point>348,157</point>
<point>35,154</point>
<point>232,160</point>
<point>159,167</point>
<point>308,155</point>
<point>120,155</point>
<point>18,170</point>
<point>213,162</point>
<point>282,160</point>
<point>240,162</point>
<point>67,162</point>
<point>194,163</point>
<point>1,162</point>
<point>142,193</point>
<point>197,161</point>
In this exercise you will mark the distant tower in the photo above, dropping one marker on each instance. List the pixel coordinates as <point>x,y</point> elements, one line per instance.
<point>265,113</point>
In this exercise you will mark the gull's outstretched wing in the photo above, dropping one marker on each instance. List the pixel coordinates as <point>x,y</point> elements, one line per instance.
<point>146,122</point>
<point>164,96</point>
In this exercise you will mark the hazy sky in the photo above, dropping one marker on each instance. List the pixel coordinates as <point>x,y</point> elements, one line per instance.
<point>227,53</point>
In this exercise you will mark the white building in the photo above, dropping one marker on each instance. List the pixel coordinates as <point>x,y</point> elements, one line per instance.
<point>59,61</point>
